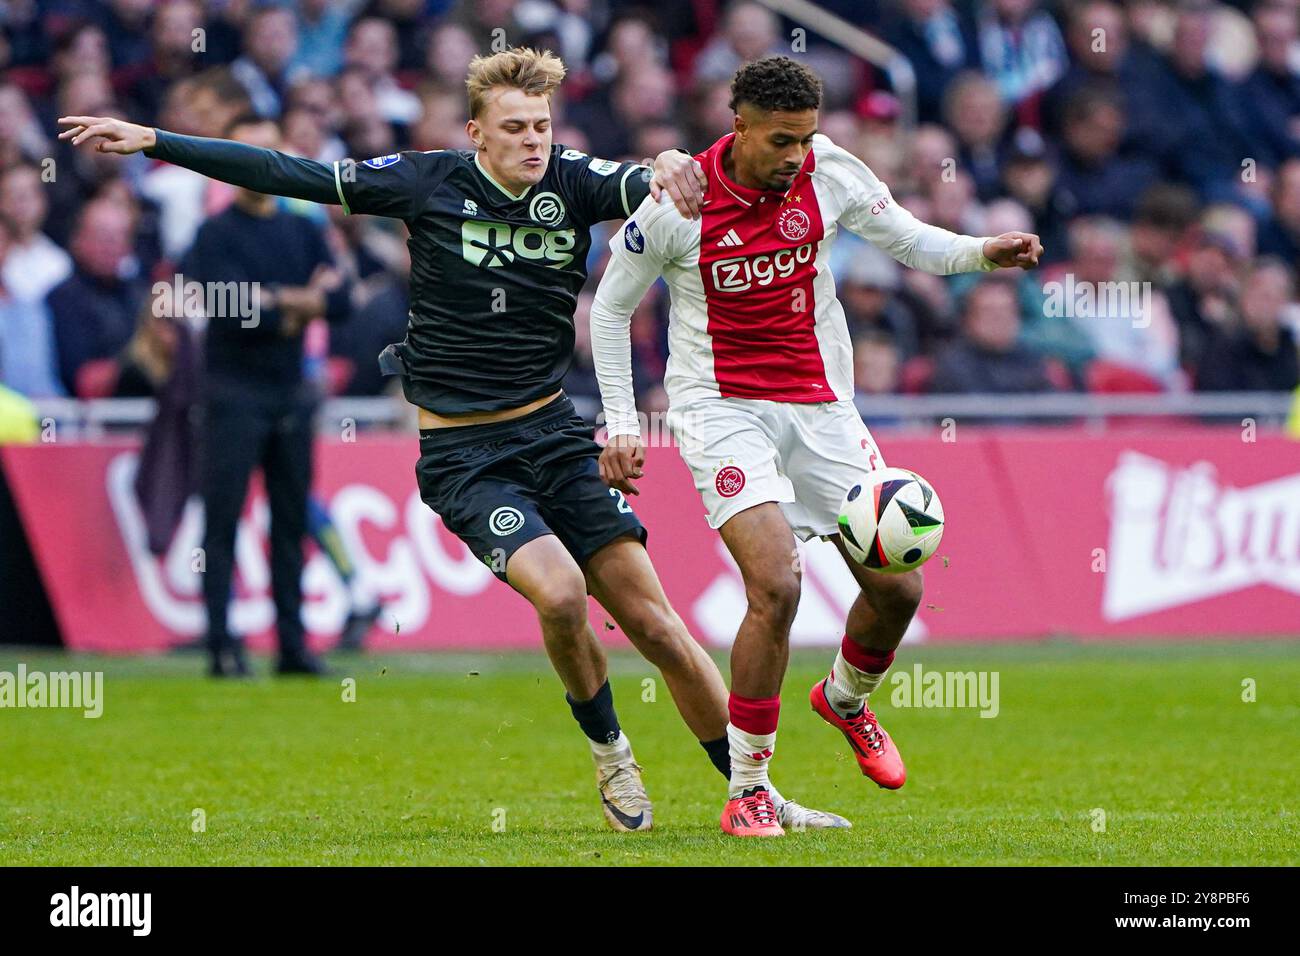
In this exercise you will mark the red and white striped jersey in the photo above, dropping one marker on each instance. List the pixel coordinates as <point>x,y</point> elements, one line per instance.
<point>753,311</point>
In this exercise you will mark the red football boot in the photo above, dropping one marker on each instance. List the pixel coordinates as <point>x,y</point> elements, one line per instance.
<point>876,753</point>
<point>752,814</point>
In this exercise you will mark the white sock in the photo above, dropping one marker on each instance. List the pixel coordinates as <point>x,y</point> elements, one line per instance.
<point>750,754</point>
<point>848,687</point>
<point>608,754</point>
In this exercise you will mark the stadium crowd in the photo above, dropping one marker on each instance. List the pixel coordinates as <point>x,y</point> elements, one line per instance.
<point>1155,147</point>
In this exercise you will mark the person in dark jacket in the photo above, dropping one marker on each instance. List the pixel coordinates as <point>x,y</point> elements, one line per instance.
<point>987,357</point>
<point>257,407</point>
<point>93,311</point>
<point>1260,355</point>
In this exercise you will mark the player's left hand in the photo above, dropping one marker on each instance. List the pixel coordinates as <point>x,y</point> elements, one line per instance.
<point>1013,250</point>
<point>622,460</point>
<point>682,178</point>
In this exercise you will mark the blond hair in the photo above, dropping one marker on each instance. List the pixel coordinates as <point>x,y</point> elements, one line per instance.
<point>522,68</point>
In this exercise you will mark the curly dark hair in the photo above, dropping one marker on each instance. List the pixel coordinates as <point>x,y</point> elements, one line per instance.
<point>776,83</point>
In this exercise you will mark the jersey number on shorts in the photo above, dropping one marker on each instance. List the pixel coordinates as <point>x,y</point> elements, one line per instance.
<point>623,507</point>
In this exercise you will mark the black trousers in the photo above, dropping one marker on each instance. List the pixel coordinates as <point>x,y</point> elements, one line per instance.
<point>243,431</point>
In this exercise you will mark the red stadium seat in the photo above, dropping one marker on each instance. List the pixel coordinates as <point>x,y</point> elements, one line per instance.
<point>1111,378</point>
<point>98,378</point>
<point>915,374</point>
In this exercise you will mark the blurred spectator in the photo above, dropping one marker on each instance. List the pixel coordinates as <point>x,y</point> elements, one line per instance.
<point>1128,321</point>
<point>380,265</point>
<point>867,285</point>
<point>1280,234</point>
<point>1028,176</point>
<point>265,68</point>
<point>1202,300</point>
<point>749,31</point>
<point>1260,354</point>
<point>322,28</point>
<point>26,341</point>
<point>94,309</point>
<point>372,49</point>
<point>938,43</point>
<point>442,120</point>
<point>450,48</point>
<point>630,42</point>
<point>988,356</point>
<point>126,26</point>
<point>1103,57</point>
<point>975,113</point>
<point>488,20</point>
<point>1161,223</point>
<point>876,363</point>
<point>1094,179</point>
<point>82,48</point>
<point>172,57</point>
<point>1270,96</point>
<point>203,106</point>
<point>876,371</point>
<point>144,365</point>
<point>1021,48</point>
<point>21,136</point>
<point>612,117</point>
<point>1200,111</point>
<point>33,263</point>
<point>1049,332</point>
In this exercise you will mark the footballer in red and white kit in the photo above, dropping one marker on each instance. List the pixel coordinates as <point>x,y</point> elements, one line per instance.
<point>760,387</point>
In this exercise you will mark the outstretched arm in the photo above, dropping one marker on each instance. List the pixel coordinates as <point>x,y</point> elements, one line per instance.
<point>252,167</point>
<point>869,209</point>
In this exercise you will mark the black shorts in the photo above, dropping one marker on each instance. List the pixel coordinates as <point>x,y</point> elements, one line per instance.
<point>499,486</point>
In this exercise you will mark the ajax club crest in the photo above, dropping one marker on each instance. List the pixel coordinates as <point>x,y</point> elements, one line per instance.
<point>793,223</point>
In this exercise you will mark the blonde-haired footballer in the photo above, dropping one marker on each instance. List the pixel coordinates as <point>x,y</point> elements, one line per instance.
<point>504,459</point>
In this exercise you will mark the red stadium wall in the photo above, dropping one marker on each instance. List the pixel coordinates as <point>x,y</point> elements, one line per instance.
<point>1197,532</point>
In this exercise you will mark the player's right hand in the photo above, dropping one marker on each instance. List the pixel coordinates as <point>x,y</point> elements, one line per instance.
<point>114,135</point>
<point>622,460</point>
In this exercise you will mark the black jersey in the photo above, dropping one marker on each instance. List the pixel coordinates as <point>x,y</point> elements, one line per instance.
<point>494,276</point>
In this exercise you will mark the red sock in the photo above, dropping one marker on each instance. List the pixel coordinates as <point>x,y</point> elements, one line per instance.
<point>754,715</point>
<point>863,659</point>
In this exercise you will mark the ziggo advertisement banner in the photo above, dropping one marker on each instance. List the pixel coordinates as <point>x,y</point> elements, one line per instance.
<point>1184,534</point>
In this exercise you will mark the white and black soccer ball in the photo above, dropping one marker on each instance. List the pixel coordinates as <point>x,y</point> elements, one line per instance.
<point>891,521</point>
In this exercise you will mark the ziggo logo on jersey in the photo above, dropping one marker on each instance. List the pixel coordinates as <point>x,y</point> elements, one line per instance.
<point>739,274</point>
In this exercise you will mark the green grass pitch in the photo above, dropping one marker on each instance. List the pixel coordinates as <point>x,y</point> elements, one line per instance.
<point>437,749</point>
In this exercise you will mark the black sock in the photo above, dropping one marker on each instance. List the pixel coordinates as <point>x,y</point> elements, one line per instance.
<point>719,752</point>
<point>596,717</point>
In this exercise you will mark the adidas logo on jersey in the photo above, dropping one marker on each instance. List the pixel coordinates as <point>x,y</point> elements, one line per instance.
<point>730,239</point>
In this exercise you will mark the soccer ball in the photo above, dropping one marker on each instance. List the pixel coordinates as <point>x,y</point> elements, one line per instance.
<point>891,521</point>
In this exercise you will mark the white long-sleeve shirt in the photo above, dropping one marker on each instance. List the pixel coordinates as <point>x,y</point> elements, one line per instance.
<point>753,309</point>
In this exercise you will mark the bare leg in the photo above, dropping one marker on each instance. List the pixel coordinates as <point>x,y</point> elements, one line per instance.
<point>546,574</point>
<point>623,580</point>
<point>883,608</point>
<point>762,543</point>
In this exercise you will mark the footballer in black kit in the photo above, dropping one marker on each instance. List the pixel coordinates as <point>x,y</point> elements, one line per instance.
<point>495,278</point>
<point>494,283</point>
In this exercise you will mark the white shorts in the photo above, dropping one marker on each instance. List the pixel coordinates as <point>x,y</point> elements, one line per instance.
<point>744,452</point>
